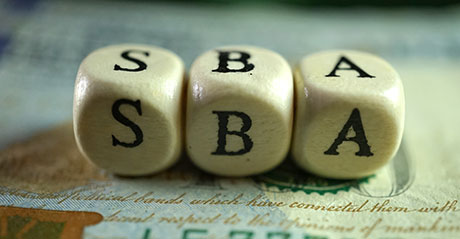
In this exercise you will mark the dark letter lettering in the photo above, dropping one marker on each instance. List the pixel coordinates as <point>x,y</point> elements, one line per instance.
<point>189,232</point>
<point>352,67</point>
<point>125,121</point>
<point>280,235</point>
<point>224,58</point>
<point>360,138</point>
<point>125,55</point>
<point>240,234</point>
<point>223,131</point>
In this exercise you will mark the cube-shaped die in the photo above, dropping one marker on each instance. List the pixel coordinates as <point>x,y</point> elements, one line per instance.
<point>239,110</point>
<point>349,114</point>
<point>127,108</point>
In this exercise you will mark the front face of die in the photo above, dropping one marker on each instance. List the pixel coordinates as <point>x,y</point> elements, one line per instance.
<point>350,114</point>
<point>127,108</point>
<point>239,110</point>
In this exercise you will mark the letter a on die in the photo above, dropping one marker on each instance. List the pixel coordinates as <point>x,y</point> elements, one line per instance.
<point>239,110</point>
<point>349,114</point>
<point>127,108</point>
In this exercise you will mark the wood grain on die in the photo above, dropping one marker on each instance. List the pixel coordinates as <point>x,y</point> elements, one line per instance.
<point>239,110</point>
<point>349,114</point>
<point>127,108</point>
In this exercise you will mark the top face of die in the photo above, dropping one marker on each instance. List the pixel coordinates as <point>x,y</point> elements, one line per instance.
<point>231,69</point>
<point>118,62</point>
<point>349,73</point>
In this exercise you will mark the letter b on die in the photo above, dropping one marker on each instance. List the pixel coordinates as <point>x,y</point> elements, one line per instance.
<point>239,110</point>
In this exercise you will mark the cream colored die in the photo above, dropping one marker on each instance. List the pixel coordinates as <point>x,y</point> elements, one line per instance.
<point>349,114</point>
<point>127,108</point>
<point>239,110</point>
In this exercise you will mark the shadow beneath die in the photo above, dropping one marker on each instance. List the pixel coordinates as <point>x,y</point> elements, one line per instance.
<point>51,162</point>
